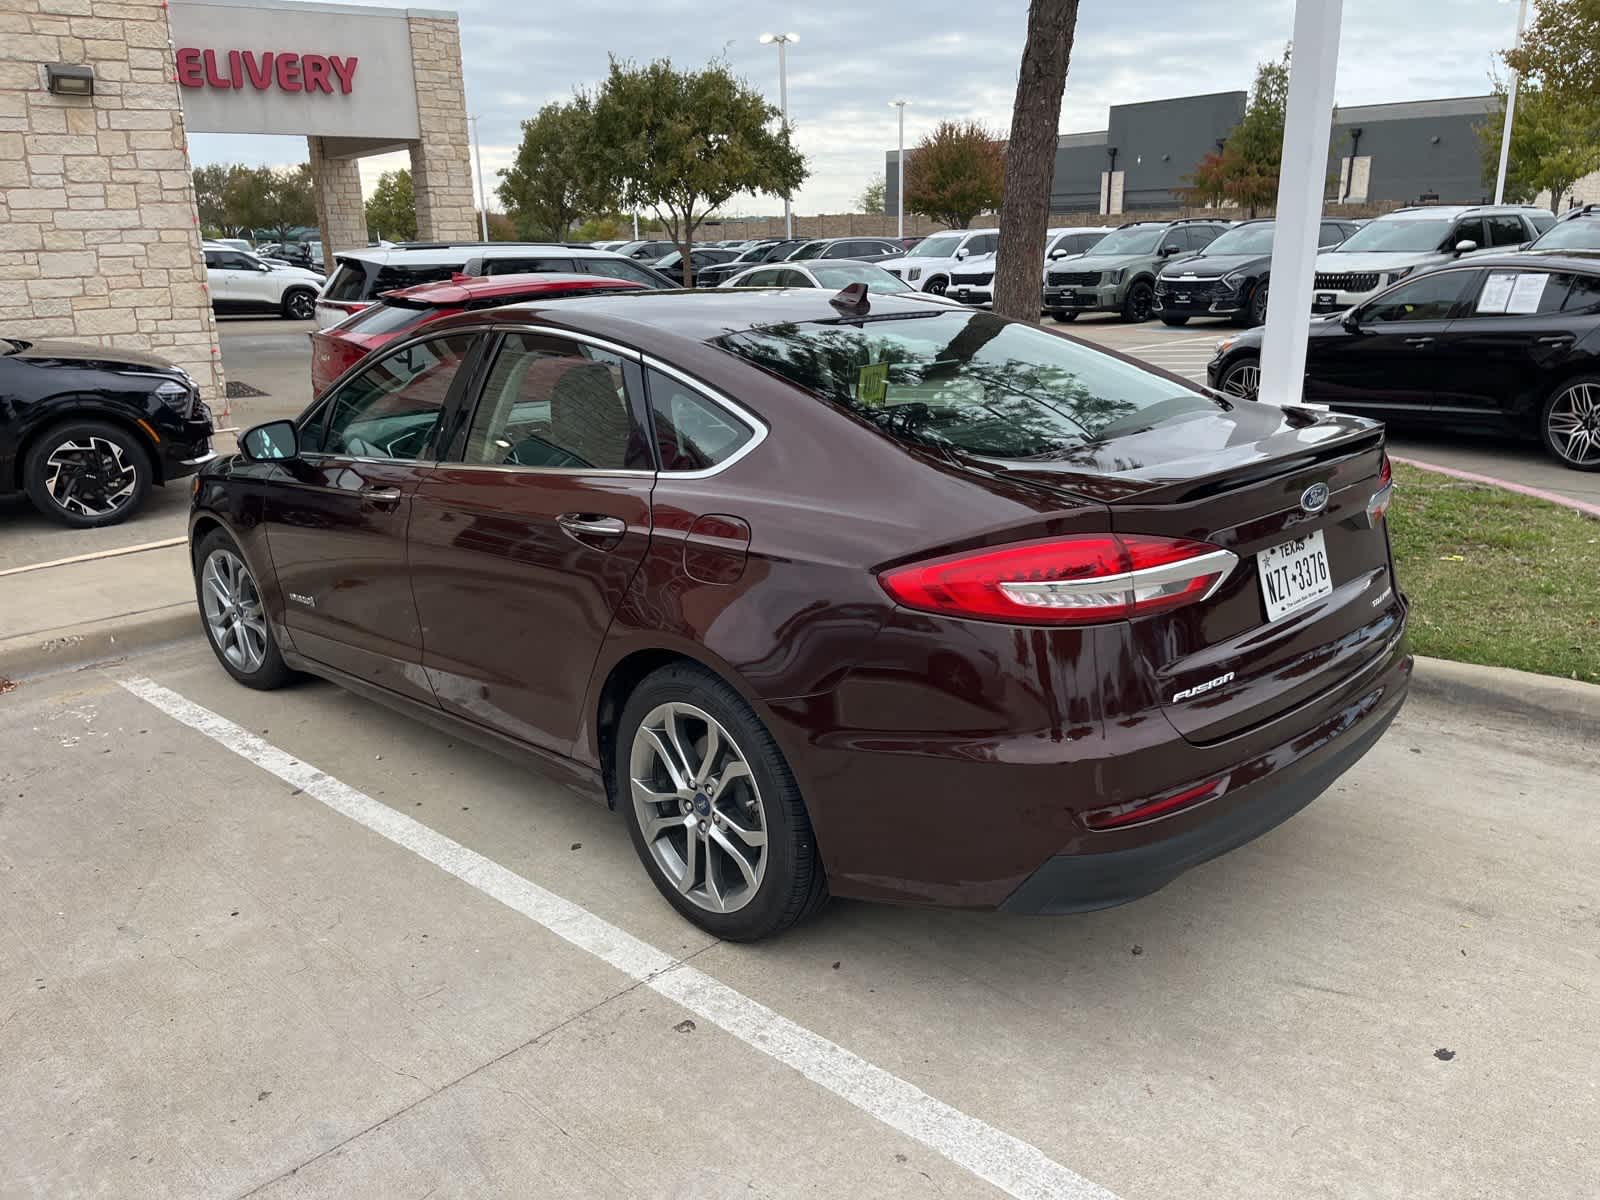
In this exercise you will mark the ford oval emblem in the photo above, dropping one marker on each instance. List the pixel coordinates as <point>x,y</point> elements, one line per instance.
<point>1315,498</point>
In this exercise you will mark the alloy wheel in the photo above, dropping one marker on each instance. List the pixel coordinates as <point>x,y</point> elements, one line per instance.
<point>1572,424</point>
<point>698,807</point>
<point>1243,380</point>
<point>232,607</point>
<point>302,306</point>
<point>937,287</point>
<point>91,476</point>
<point>1258,306</point>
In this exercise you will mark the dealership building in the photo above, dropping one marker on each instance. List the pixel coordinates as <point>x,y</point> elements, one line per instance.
<point>99,234</point>
<point>1417,152</point>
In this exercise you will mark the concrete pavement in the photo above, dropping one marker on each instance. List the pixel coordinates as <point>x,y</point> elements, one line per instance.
<point>217,985</point>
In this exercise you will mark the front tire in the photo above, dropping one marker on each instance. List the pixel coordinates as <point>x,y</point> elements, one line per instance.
<point>234,619</point>
<point>87,474</point>
<point>1569,424</point>
<point>1256,314</point>
<point>1242,379</point>
<point>937,286</point>
<point>300,305</point>
<point>1136,305</point>
<point>714,813</point>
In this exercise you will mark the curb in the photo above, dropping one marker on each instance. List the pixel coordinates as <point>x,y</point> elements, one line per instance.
<point>1506,692</point>
<point>1522,489</point>
<point>75,646</point>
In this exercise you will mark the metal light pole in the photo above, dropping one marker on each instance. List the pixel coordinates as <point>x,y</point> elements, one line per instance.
<point>483,196</point>
<point>783,41</point>
<point>1511,111</point>
<point>900,167</point>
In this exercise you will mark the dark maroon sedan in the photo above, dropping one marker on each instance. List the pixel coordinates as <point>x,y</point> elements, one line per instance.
<point>853,595</point>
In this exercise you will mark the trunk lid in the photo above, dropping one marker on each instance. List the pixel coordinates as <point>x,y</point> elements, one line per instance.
<point>1236,478</point>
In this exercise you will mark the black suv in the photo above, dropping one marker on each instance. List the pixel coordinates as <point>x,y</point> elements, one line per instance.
<point>85,430</point>
<point>1229,277</point>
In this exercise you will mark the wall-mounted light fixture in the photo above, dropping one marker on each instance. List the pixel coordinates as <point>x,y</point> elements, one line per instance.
<point>70,79</point>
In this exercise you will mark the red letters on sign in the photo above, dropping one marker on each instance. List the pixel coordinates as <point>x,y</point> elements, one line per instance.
<point>262,70</point>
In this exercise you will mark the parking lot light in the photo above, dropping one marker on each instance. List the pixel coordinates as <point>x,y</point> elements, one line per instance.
<point>783,41</point>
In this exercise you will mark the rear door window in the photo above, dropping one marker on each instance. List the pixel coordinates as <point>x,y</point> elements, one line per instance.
<point>1506,231</point>
<point>620,268</point>
<point>393,278</point>
<point>526,265</point>
<point>692,432</point>
<point>1584,294</point>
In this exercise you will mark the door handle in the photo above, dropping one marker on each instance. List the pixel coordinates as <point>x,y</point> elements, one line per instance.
<point>1557,339</point>
<point>1419,341</point>
<point>587,525</point>
<point>381,495</point>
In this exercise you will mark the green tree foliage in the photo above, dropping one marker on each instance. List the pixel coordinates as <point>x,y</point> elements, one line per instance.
<point>955,173</point>
<point>870,200</point>
<point>1207,185</point>
<point>606,227</point>
<point>1553,143</point>
<point>392,208</point>
<point>1254,150</point>
<point>559,175</point>
<point>686,142</point>
<point>276,198</point>
<point>210,194</point>
<point>1561,52</point>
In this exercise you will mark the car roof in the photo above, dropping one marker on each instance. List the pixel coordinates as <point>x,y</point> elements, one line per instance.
<point>1538,260</point>
<point>1448,211</point>
<point>645,317</point>
<point>490,287</point>
<point>444,253</point>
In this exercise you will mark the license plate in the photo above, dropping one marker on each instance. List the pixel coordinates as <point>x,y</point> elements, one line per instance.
<point>1327,297</point>
<point>963,293</point>
<point>1294,574</point>
<point>1084,299</point>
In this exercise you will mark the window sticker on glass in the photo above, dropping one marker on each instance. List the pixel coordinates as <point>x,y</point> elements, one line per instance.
<point>872,384</point>
<point>1526,293</point>
<point>1496,292</point>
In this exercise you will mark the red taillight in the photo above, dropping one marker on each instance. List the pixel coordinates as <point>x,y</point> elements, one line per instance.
<point>1134,812</point>
<point>1378,506</point>
<point>1385,472</point>
<point>1081,579</point>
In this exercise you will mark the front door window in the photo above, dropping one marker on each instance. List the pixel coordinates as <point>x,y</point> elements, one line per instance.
<point>392,409</point>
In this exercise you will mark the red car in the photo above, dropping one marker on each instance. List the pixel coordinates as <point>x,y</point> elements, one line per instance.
<point>336,349</point>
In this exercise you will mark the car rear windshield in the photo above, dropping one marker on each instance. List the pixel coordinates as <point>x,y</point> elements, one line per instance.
<point>386,318</point>
<point>1246,239</point>
<point>358,279</point>
<point>968,381</point>
<point>843,274</point>
<point>1414,236</point>
<point>1580,234</point>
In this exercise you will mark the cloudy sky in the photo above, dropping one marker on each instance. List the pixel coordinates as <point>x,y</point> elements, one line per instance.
<point>953,59</point>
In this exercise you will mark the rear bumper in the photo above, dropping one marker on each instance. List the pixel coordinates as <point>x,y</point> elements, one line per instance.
<point>1070,883</point>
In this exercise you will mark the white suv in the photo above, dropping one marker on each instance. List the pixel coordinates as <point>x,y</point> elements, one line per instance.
<point>1386,250</point>
<point>973,281</point>
<point>928,265</point>
<point>361,276</point>
<point>241,282</point>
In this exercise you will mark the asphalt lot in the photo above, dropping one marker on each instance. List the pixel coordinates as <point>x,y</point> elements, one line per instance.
<point>220,982</point>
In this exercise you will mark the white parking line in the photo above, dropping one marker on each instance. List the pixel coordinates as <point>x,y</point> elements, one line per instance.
<point>1012,1165</point>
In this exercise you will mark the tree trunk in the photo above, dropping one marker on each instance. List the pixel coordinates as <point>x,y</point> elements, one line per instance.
<point>1031,157</point>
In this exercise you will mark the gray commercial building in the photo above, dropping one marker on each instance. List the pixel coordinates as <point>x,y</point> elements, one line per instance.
<point>1379,154</point>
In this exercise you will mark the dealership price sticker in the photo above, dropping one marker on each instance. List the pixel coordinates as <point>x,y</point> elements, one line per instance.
<point>1526,293</point>
<point>872,384</point>
<point>1496,293</point>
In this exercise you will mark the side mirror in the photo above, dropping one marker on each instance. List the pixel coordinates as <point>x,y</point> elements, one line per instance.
<point>1058,252</point>
<point>1466,246</point>
<point>271,442</point>
<point>1169,249</point>
<point>1351,321</point>
<point>961,254</point>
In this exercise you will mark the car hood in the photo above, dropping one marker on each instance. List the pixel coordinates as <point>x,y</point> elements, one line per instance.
<point>1335,263</point>
<point>1179,454</point>
<point>1108,262</point>
<point>923,262</point>
<point>87,355</point>
<point>297,273</point>
<point>1214,264</point>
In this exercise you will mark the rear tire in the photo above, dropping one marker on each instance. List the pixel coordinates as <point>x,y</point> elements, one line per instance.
<point>1171,320</point>
<point>1136,305</point>
<point>299,304</point>
<point>1569,424</point>
<point>87,474</point>
<point>231,611</point>
<point>736,783</point>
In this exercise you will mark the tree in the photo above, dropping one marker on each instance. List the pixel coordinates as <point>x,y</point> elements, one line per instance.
<point>603,227</point>
<point>392,208</point>
<point>870,200</point>
<point>1561,51</point>
<point>559,174</point>
<point>277,198</point>
<point>1031,156</point>
<point>1254,150</point>
<point>1207,185</point>
<point>211,196</point>
<point>1552,143</point>
<point>686,142</point>
<point>956,172</point>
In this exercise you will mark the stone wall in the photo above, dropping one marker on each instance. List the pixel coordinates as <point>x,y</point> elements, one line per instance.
<point>441,161</point>
<point>99,237</point>
<point>341,212</point>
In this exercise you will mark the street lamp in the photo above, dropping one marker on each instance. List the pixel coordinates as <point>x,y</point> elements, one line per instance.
<point>783,41</point>
<point>900,167</point>
<point>1511,108</point>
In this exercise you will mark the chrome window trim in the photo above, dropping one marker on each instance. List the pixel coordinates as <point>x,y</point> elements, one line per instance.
<point>756,425</point>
